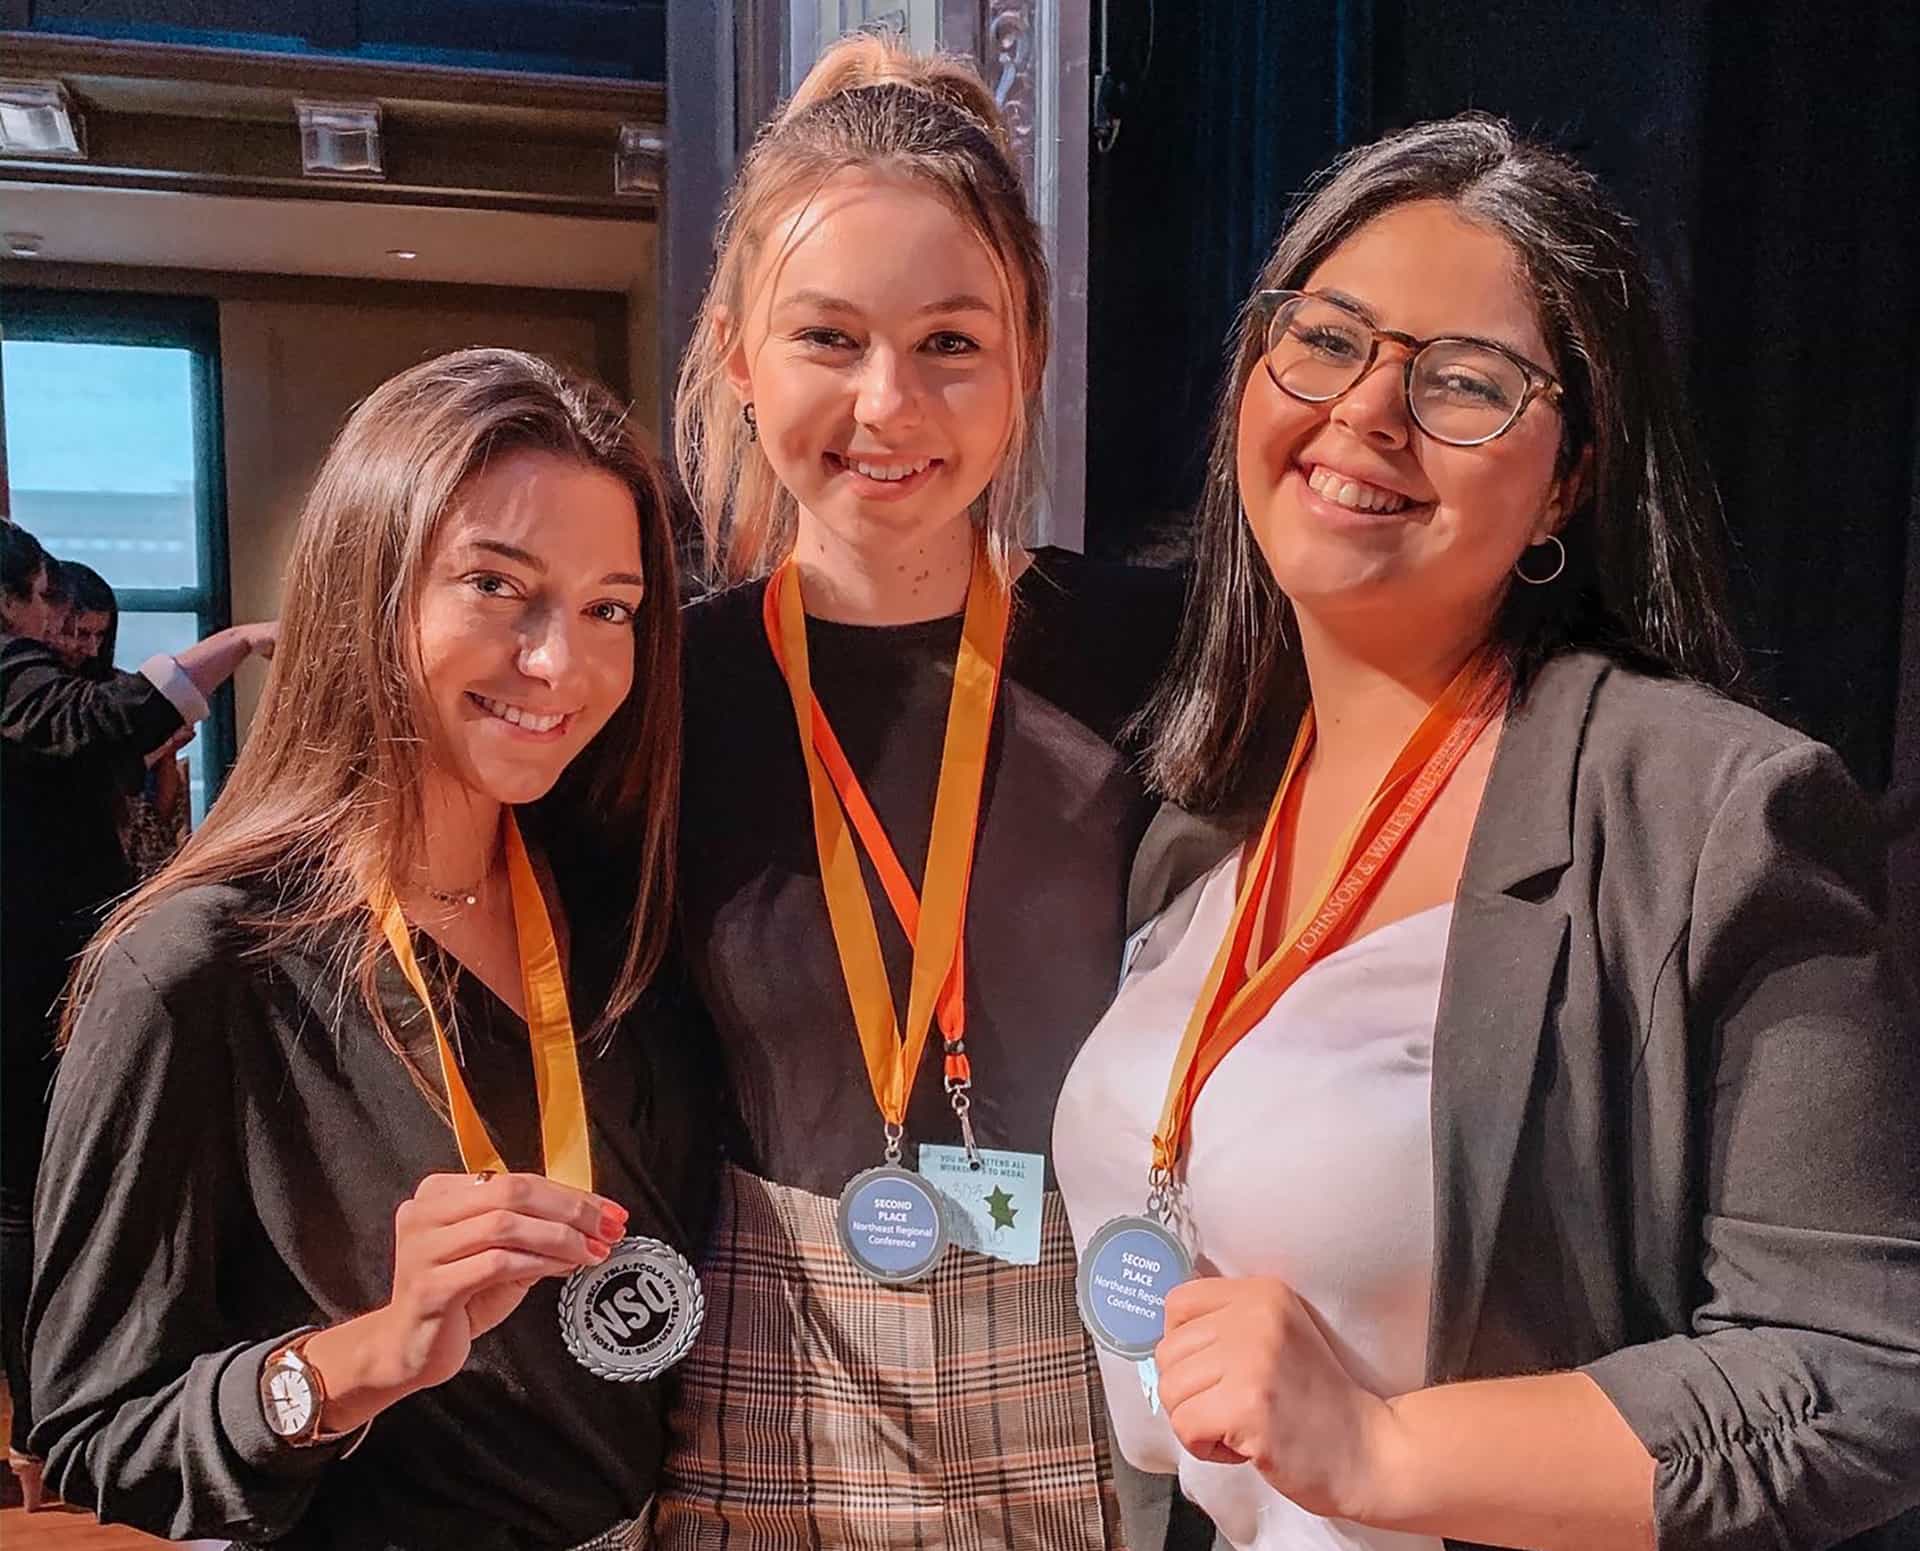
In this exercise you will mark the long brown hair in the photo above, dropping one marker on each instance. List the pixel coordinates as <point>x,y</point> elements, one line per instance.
<point>1643,579</point>
<point>325,802</point>
<point>868,103</point>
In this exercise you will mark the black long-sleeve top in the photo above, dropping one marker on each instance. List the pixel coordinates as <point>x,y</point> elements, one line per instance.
<point>1061,811</point>
<point>230,1140</point>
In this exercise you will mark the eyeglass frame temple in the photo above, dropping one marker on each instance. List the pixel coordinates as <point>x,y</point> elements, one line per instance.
<point>1540,382</point>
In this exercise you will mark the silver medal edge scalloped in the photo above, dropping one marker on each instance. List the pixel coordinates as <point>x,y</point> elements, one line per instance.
<point>1083,1273</point>
<point>635,1245</point>
<point>941,1237</point>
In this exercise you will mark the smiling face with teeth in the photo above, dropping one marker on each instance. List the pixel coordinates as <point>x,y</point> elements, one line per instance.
<point>878,357</point>
<point>526,621</point>
<point>1358,513</point>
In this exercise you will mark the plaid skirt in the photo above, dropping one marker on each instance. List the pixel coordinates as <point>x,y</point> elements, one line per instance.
<point>823,1411</point>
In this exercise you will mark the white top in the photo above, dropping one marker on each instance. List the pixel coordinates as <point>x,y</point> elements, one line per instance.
<point>1310,1158</point>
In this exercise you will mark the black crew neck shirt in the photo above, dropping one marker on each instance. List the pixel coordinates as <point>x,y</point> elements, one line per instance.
<point>230,1140</point>
<point>1062,810</point>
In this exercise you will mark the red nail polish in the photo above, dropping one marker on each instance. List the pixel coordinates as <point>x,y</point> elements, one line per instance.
<point>612,1221</point>
<point>597,1250</point>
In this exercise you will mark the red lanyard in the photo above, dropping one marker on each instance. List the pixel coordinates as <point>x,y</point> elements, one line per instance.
<point>938,983</point>
<point>1238,994</point>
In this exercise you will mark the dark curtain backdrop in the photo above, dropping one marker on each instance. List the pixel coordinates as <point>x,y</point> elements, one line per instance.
<point>1770,152</point>
<point>1807,253</point>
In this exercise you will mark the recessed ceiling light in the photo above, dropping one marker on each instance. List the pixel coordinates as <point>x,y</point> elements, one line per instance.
<point>402,253</point>
<point>639,159</point>
<point>339,139</point>
<point>23,244</point>
<point>37,120</point>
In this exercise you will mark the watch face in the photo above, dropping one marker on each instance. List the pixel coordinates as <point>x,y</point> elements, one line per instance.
<point>289,1401</point>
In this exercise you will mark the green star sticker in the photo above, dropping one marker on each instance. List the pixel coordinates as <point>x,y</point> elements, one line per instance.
<point>1000,1204</point>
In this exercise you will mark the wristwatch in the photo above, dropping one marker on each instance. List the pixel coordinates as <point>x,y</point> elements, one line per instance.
<point>293,1396</point>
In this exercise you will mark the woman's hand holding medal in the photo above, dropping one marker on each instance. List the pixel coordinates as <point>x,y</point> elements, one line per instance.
<point>1247,1376</point>
<point>466,1249</point>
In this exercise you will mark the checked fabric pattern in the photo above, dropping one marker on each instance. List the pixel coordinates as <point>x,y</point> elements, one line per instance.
<point>821,1411</point>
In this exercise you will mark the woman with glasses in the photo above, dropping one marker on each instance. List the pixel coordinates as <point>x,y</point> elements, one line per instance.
<point>1505,1130</point>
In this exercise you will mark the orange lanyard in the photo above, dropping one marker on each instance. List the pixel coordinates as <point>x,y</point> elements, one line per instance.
<point>556,1058</point>
<point>1238,993</point>
<point>935,929</point>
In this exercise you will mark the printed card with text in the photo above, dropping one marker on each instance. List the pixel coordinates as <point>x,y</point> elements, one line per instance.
<point>995,1209</point>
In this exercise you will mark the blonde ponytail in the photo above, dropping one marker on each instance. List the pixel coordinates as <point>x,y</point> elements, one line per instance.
<point>869,102</point>
<point>880,59</point>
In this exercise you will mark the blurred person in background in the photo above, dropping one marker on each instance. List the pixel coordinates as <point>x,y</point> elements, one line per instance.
<point>152,816</point>
<point>90,631</point>
<point>67,741</point>
<point>59,599</point>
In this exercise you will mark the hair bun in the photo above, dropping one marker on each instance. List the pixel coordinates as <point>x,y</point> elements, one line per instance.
<point>862,60</point>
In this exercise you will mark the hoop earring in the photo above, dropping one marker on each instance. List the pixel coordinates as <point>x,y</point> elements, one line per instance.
<point>1553,575</point>
<point>753,425</point>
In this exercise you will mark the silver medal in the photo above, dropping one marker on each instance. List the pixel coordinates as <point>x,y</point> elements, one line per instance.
<point>891,1225</point>
<point>635,1314</point>
<point>1126,1272</point>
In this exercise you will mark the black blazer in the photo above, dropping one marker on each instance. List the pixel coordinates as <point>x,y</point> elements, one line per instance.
<point>66,745</point>
<point>1676,1104</point>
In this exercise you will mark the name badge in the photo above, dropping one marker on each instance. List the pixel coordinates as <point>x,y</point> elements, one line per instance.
<point>1128,1269</point>
<point>993,1209</point>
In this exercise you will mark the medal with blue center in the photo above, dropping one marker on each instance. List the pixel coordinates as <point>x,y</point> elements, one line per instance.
<point>1131,1264</point>
<point>891,1224</point>
<point>891,1221</point>
<point>1129,1267</point>
<point>1126,1271</point>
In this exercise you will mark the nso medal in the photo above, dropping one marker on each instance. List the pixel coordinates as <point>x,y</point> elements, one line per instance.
<point>635,1314</point>
<point>890,1224</point>
<point>1128,1269</point>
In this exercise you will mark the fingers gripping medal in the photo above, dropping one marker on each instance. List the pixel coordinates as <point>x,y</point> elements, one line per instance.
<point>890,1219</point>
<point>1132,1263</point>
<point>636,1313</point>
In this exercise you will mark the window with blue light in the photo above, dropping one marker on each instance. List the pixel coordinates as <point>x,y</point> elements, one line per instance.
<point>111,409</point>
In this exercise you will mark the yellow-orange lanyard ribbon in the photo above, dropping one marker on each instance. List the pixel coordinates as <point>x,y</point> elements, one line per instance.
<point>556,1058</point>
<point>933,923</point>
<point>1238,992</point>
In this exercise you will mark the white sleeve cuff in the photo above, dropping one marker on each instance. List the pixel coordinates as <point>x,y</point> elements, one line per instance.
<point>171,680</point>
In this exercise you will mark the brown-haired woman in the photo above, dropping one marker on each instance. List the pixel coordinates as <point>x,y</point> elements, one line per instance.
<point>857,413</point>
<point>1526,1070</point>
<point>259,1232</point>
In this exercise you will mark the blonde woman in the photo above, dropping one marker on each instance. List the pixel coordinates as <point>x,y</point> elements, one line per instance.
<point>325,1138</point>
<point>907,824</point>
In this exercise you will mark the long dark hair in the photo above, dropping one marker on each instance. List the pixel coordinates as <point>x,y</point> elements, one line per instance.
<point>325,801</point>
<point>1643,580</point>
